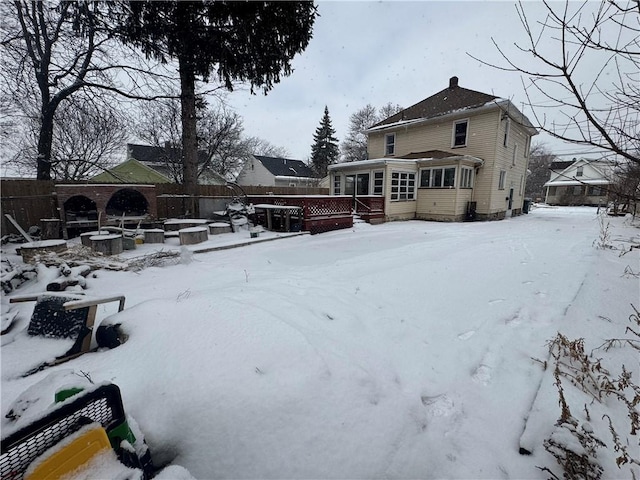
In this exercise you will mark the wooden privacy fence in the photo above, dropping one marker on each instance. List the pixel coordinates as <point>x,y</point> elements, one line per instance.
<point>30,201</point>
<point>27,201</point>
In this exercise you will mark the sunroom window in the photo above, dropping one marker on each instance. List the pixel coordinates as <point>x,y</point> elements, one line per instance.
<point>466,177</point>
<point>403,186</point>
<point>336,184</point>
<point>441,177</point>
<point>378,183</point>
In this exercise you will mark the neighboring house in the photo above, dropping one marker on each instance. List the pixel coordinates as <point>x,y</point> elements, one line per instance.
<point>130,171</point>
<point>456,155</point>
<point>164,161</point>
<point>276,172</point>
<point>579,182</point>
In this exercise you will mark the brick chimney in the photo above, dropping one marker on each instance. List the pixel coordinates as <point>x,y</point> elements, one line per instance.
<point>453,82</point>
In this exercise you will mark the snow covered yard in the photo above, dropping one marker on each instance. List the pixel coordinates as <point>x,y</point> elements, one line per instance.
<point>403,350</point>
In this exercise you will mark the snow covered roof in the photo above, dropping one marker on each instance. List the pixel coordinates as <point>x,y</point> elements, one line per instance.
<point>451,100</point>
<point>285,167</point>
<point>370,163</point>
<point>295,178</point>
<point>415,159</point>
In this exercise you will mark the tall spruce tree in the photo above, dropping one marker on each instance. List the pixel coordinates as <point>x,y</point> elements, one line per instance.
<point>324,150</point>
<point>240,41</point>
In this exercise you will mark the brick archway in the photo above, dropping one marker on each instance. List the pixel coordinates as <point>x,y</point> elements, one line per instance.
<point>100,195</point>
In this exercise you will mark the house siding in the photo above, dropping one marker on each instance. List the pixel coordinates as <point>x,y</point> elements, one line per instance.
<point>485,137</point>
<point>443,204</point>
<point>254,173</point>
<point>515,173</point>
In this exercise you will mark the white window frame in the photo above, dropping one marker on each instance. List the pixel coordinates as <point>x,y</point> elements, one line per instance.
<point>527,146</point>
<point>580,171</point>
<point>431,171</point>
<point>466,133</point>
<point>378,186</point>
<point>389,147</point>
<point>397,177</point>
<point>507,128</point>
<point>337,184</point>
<point>515,155</point>
<point>502,180</point>
<point>521,184</point>
<point>466,177</point>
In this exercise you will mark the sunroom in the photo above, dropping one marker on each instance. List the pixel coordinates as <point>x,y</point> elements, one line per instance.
<point>446,188</point>
<point>387,189</point>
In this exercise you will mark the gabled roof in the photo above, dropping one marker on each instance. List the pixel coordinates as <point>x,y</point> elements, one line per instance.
<point>560,165</point>
<point>150,154</point>
<point>446,101</point>
<point>449,101</point>
<point>567,176</point>
<point>161,158</point>
<point>131,171</point>
<point>284,167</point>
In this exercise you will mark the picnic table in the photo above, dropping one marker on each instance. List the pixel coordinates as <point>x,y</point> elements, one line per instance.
<point>283,211</point>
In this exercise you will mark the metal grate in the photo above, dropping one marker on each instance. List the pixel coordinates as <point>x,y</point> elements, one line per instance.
<point>103,405</point>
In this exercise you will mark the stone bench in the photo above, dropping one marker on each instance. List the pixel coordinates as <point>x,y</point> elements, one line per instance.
<point>29,250</point>
<point>217,228</point>
<point>154,235</point>
<point>107,244</point>
<point>193,235</point>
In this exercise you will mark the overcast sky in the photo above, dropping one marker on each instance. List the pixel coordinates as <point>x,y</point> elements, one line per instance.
<point>377,52</point>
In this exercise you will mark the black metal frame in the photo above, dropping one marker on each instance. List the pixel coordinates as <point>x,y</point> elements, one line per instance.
<point>20,448</point>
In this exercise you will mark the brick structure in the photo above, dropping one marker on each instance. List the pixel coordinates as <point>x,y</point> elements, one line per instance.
<point>81,205</point>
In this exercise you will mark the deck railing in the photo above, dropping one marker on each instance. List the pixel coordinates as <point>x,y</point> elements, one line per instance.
<point>320,213</point>
<point>370,208</point>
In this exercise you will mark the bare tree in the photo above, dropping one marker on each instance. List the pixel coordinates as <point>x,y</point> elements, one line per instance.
<point>220,138</point>
<point>540,158</point>
<point>222,148</point>
<point>583,60</point>
<point>158,124</point>
<point>354,146</point>
<point>624,189</point>
<point>94,134</point>
<point>260,146</point>
<point>53,51</point>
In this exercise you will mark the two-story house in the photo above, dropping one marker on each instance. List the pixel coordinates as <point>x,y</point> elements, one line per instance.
<point>580,182</point>
<point>456,155</point>
<point>276,172</point>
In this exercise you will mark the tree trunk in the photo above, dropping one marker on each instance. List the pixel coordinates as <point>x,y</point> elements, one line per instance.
<point>45,140</point>
<point>189,138</point>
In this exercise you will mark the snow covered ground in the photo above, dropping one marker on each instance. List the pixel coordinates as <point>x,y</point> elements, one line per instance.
<point>402,350</point>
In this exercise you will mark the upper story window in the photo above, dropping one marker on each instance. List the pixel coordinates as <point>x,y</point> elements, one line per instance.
<point>507,127</point>
<point>390,144</point>
<point>460,133</point>
<point>579,171</point>
<point>515,154</point>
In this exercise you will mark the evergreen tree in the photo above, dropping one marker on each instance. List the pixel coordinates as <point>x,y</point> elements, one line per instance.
<point>324,150</point>
<point>239,41</point>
